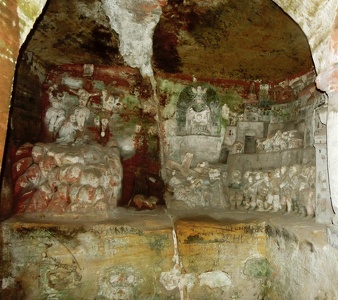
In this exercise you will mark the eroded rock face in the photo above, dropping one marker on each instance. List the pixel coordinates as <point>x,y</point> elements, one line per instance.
<point>312,20</point>
<point>189,36</point>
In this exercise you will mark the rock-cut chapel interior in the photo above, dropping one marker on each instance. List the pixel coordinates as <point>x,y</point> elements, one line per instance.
<point>169,149</point>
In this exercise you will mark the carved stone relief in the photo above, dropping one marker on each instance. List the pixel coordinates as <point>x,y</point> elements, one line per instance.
<point>198,111</point>
<point>281,141</point>
<point>78,168</point>
<point>288,188</point>
<point>62,179</point>
<point>192,187</point>
<point>96,122</point>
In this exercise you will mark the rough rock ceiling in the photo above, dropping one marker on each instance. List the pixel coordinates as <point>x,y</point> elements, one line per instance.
<point>227,39</point>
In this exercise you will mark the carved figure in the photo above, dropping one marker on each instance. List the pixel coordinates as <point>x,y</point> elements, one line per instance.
<point>108,104</point>
<point>71,178</point>
<point>107,101</point>
<point>263,187</point>
<point>237,147</point>
<point>273,199</point>
<point>280,141</point>
<point>81,116</point>
<point>307,191</point>
<point>83,96</point>
<point>198,111</point>
<point>198,187</point>
<point>68,130</point>
<point>74,173</point>
<point>55,114</point>
<point>250,193</point>
<point>236,190</point>
<point>225,112</point>
<point>198,116</point>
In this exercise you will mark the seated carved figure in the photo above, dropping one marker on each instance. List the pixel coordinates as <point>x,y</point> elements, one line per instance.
<point>77,173</point>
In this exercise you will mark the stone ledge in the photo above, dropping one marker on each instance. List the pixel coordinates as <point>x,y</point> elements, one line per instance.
<point>138,255</point>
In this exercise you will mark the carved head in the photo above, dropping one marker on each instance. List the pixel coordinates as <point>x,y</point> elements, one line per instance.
<point>199,94</point>
<point>236,175</point>
<point>81,115</point>
<point>214,174</point>
<point>83,97</point>
<point>109,102</point>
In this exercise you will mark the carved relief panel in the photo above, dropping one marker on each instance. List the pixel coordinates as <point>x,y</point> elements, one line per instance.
<point>198,111</point>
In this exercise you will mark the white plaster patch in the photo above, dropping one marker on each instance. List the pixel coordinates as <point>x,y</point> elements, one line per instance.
<point>73,83</point>
<point>215,279</point>
<point>170,280</point>
<point>119,283</point>
<point>175,279</point>
<point>135,32</point>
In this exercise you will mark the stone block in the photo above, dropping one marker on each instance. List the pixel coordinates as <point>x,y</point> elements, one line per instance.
<point>87,261</point>
<point>214,254</point>
<point>204,148</point>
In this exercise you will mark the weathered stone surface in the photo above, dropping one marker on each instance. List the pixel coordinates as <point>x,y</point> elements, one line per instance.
<point>116,260</point>
<point>304,266</point>
<point>215,254</point>
<point>17,19</point>
<point>294,258</point>
<point>257,267</point>
<point>209,148</point>
<point>191,36</point>
<point>140,255</point>
<point>316,27</point>
<point>270,160</point>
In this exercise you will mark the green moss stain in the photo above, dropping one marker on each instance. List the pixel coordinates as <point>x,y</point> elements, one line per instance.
<point>61,233</point>
<point>131,102</point>
<point>172,91</point>
<point>257,267</point>
<point>158,242</point>
<point>232,98</point>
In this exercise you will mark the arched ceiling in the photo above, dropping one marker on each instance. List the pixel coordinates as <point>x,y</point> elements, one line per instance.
<point>226,39</point>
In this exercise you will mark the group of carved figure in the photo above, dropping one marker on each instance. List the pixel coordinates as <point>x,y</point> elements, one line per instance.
<point>199,186</point>
<point>55,179</point>
<point>66,121</point>
<point>288,188</point>
<point>74,173</point>
<point>280,141</point>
